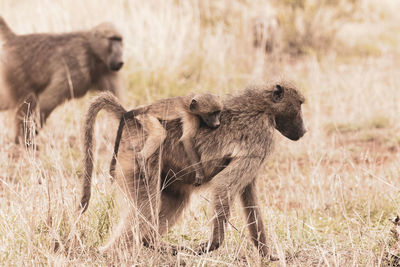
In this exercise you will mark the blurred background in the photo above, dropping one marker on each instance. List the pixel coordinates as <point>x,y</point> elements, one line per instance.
<point>327,199</point>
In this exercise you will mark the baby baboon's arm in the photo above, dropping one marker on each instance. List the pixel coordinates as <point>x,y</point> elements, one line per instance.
<point>190,125</point>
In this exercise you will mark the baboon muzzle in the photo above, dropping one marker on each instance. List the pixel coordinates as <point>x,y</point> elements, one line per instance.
<point>215,125</point>
<point>116,66</point>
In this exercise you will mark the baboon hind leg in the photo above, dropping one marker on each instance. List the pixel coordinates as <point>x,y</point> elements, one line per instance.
<point>139,199</point>
<point>156,136</point>
<point>172,206</point>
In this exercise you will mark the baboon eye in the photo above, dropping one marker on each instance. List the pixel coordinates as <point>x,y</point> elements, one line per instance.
<point>215,113</point>
<point>115,38</point>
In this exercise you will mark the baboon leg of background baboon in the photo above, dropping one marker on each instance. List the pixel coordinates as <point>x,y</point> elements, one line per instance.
<point>110,83</point>
<point>254,220</point>
<point>51,97</point>
<point>24,121</point>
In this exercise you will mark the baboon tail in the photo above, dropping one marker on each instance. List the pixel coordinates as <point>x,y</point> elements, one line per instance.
<point>121,125</point>
<point>5,31</point>
<point>110,103</point>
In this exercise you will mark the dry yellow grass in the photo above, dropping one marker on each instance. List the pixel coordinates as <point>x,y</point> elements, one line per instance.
<point>326,199</point>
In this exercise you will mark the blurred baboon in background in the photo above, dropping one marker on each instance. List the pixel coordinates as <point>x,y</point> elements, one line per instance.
<point>46,69</point>
<point>232,155</point>
<point>266,33</point>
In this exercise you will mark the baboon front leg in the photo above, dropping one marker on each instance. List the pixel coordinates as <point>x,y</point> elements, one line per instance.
<point>254,220</point>
<point>48,101</point>
<point>230,181</point>
<point>54,94</point>
<point>110,83</point>
<point>222,204</point>
<point>24,121</point>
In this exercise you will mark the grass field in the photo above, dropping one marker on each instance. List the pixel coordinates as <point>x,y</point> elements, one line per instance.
<point>326,199</point>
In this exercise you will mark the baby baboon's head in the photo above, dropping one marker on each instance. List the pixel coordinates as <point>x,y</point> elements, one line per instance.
<point>286,108</point>
<point>106,43</point>
<point>208,107</point>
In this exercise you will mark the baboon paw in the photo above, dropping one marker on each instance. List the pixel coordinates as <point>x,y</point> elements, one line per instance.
<point>267,256</point>
<point>198,180</point>
<point>83,205</point>
<point>207,247</point>
<point>273,258</point>
<point>175,249</point>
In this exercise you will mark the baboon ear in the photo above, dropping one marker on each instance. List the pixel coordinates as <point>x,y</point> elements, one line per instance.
<point>277,94</point>
<point>193,104</point>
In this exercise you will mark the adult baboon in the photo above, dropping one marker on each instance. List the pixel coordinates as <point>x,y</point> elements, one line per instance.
<point>231,155</point>
<point>193,110</point>
<point>47,69</point>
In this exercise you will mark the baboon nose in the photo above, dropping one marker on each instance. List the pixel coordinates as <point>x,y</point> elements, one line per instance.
<point>117,66</point>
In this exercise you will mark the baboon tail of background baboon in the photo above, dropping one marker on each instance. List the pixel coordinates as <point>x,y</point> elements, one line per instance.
<point>5,31</point>
<point>110,103</point>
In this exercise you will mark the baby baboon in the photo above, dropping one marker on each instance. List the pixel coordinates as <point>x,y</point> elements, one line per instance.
<point>232,155</point>
<point>192,110</point>
<point>56,67</point>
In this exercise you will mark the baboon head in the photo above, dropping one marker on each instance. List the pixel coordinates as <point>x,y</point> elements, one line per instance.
<point>106,43</point>
<point>286,104</point>
<point>208,107</point>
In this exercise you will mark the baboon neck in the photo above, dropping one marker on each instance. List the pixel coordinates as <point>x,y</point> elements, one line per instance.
<point>251,103</point>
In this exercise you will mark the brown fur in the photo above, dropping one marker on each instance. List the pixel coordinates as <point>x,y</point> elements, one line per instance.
<point>110,103</point>
<point>191,110</point>
<point>51,68</point>
<point>232,156</point>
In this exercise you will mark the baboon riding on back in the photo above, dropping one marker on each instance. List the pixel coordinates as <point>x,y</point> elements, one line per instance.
<point>231,156</point>
<point>41,71</point>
